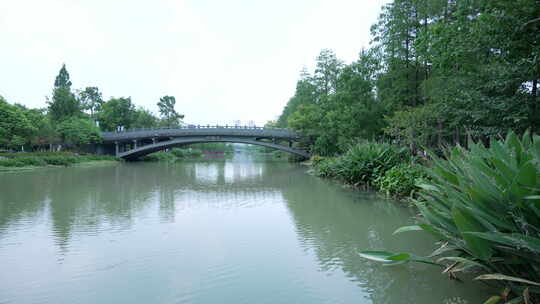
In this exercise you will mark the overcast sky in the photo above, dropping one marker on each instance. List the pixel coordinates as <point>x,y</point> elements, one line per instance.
<point>222,60</point>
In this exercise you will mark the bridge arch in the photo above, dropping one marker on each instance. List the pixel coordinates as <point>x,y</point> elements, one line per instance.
<point>182,141</point>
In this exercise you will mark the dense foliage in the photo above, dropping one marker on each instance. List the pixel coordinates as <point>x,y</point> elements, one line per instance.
<point>484,206</point>
<point>173,155</point>
<point>401,180</point>
<point>437,72</point>
<point>363,163</point>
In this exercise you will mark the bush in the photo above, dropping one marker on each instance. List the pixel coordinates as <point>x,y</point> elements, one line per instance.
<point>183,153</point>
<point>484,206</point>
<point>32,161</point>
<point>194,153</point>
<point>180,153</point>
<point>49,158</point>
<point>363,162</point>
<point>37,154</point>
<point>401,180</point>
<point>316,160</point>
<point>11,163</point>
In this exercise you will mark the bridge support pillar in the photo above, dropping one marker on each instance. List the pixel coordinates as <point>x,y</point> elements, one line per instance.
<point>153,140</point>
<point>134,144</point>
<point>116,151</point>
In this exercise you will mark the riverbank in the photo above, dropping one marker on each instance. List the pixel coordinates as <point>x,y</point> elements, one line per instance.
<point>36,160</point>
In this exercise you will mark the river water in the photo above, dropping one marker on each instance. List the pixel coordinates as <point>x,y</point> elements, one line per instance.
<point>241,230</point>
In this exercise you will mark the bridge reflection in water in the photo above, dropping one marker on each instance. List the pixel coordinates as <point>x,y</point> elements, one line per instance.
<point>133,144</point>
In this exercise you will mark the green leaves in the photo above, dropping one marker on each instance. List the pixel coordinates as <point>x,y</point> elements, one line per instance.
<point>79,131</point>
<point>484,204</point>
<point>498,276</point>
<point>391,258</point>
<point>363,163</point>
<point>479,247</point>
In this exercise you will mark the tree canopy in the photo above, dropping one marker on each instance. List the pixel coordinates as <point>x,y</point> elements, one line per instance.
<point>437,71</point>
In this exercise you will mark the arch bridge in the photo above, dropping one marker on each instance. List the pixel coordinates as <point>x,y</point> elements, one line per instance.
<point>133,144</point>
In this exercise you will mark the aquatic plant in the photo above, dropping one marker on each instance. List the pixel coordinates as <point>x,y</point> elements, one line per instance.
<point>483,204</point>
<point>363,163</point>
<point>401,180</point>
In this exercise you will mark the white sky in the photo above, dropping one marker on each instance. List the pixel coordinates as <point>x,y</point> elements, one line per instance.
<point>222,60</point>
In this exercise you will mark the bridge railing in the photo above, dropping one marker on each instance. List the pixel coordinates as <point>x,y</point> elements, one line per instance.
<point>237,127</point>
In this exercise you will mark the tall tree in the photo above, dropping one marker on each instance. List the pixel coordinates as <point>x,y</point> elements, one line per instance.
<point>63,103</point>
<point>168,113</point>
<point>327,71</point>
<point>62,79</point>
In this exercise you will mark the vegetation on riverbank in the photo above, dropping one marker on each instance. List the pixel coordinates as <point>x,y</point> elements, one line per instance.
<point>173,155</point>
<point>483,204</point>
<point>382,166</point>
<point>43,159</point>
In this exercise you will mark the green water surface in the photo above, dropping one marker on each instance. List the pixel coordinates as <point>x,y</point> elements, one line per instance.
<point>241,230</point>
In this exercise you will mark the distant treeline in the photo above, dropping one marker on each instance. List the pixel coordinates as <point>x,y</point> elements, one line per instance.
<point>76,117</point>
<point>437,71</point>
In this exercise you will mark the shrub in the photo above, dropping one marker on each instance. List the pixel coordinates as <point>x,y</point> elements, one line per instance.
<point>180,153</point>
<point>37,154</point>
<point>401,180</point>
<point>31,161</point>
<point>484,206</point>
<point>316,160</point>
<point>194,153</point>
<point>11,163</point>
<point>49,158</point>
<point>363,162</point>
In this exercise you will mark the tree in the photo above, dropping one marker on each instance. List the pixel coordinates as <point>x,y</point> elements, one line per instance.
<point>63,104</point>
<point>45,133</point>
<point>327,71</point>
<point>117,113</point>
<point>144,119</point>
<point>62,80</point>
<point>91,99</point>
<point>168,113</point>
<point>15,128</point>
<point>79,131</point>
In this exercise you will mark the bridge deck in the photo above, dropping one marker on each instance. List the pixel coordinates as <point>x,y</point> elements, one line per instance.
<point>255,132</point>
